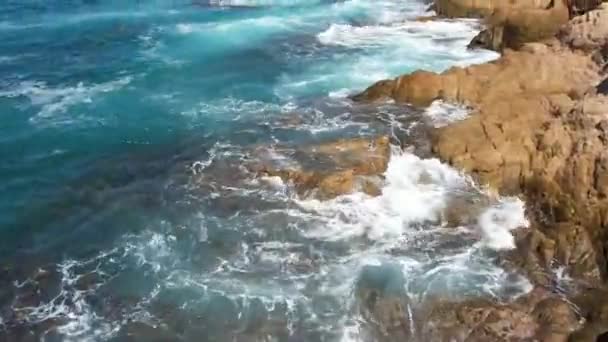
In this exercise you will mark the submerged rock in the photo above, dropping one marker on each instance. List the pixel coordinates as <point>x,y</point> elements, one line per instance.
<point>336,168</point>
<point>383,302</point>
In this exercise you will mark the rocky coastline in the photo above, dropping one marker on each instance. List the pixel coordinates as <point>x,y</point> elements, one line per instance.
<point>539,129</point>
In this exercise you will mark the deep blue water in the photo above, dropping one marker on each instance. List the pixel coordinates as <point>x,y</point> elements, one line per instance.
<point>124,126</point>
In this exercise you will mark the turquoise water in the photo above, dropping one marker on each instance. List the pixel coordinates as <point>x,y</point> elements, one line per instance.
<point>125,125</point>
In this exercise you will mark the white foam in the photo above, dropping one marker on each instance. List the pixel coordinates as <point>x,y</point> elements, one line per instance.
<point>275,182</point>
<point>58,100</point>
<point>364,36</point>
<point>421,35</point>
<point>415,192</point>
<point>8,59</point>
<point>442,113</point>
<point>261,26</point>
<point>340,93</point>
<point>497,222</point>
<point>230,107</point>
<point>393,225</point>
<point>77,320</point>
<point>392,49</point>
<point>351,332</point>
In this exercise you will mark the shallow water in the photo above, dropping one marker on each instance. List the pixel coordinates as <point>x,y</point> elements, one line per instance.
<point>126,204</point>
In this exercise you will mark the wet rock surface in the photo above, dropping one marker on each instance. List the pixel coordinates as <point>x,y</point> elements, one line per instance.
<point>587,32</point>
<point>535,69</point>
<point>335,168</point>
<point>538,128</point>
<point>472,8</point>
<point>537,316</point>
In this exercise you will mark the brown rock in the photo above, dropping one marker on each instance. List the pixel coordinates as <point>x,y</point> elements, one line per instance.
<point>587,32</point>
<point>538,128</point>
<point>538,316</point>
<point>512,28</point>
<point>337,168</point>
<point>575,250</point>
<point>483,8</point>
<point>538,69</point>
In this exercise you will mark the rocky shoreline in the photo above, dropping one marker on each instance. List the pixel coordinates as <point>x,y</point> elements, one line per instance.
<point>539,129</point>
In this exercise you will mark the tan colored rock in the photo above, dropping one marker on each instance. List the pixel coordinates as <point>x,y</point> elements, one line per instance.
<point>516,22</point>
<point>336,168</point>
<point>587,32</point>
<point>483,8</point>
<point>541,249</point>
<point>575,250</point>
<point>533,256</point>
<point>538,316</point>
<point>512,28</point>
<point>364,156</point>
<point>538,128</point>
<point>537,69</point>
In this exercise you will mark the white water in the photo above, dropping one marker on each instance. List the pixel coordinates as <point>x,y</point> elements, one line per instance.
<point>442,113</point>
<point>402,227</point>
<point>303,251</point>
<point>52,102</point>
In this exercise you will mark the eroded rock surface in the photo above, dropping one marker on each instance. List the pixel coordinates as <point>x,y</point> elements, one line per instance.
<point>478,9</point>
<point>537,316</point>
<point>336,168</point>
<point>536,69</point>
<point>539,128</point>
<point>510,24</point>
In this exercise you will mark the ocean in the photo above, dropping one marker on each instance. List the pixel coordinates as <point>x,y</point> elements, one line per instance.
<point>127,212</point>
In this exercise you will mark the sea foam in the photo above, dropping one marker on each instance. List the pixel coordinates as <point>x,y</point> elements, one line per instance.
<point>57,100</point>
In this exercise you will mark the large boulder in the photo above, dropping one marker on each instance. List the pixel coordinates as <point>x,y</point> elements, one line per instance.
<point>513,27</point>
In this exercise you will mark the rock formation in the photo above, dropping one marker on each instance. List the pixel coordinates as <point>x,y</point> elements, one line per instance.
<point>336,168</point>
<point>535,69</point>
<point>513,23</point>
<point>537,316</point>
<point>483,8</point>
<point>539,128</point>
<point>511,28</point>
